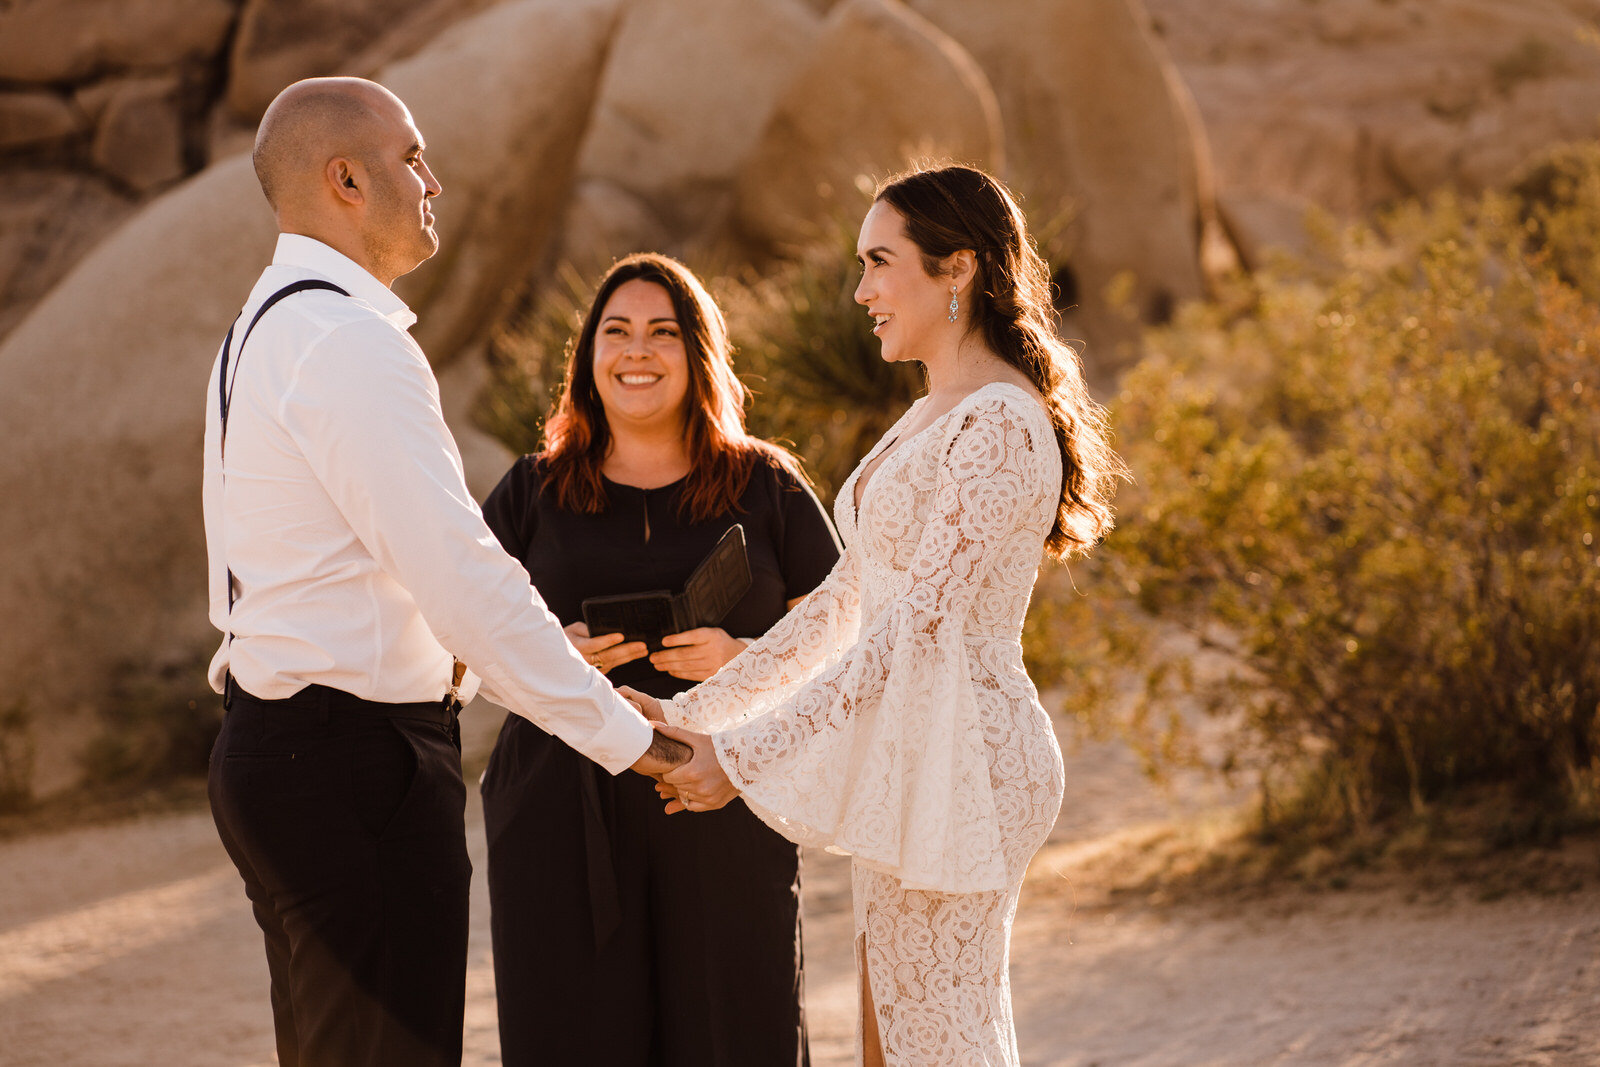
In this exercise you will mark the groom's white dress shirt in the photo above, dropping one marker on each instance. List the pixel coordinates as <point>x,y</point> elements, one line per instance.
<point>360,559</point>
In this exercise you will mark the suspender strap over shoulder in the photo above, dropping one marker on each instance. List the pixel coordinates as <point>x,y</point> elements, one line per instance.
<point>225,384</point>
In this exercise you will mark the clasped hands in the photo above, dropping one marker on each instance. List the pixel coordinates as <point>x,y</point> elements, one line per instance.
<point>696,785</point>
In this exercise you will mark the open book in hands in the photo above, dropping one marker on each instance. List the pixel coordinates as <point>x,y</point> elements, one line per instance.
<point>718,583</point>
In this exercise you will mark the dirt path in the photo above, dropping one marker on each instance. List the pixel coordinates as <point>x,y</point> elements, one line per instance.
<point>131,944</point>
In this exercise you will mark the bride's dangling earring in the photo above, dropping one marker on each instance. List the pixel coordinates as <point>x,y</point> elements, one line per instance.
<point>955,305</point>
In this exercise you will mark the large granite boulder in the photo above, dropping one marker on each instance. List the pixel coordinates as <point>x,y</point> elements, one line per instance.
<point>55,41</point>
<point>605,222</point>
<point>880,88</point>
<point>278,43</point>
<point>32,119</point>
<point>1354,104</point>
<point>687,92</point>
<point>102,385</point>
<point>504,101</point>
<point>48,218</point>
<point>1098,132</point>
<point>139,137</point>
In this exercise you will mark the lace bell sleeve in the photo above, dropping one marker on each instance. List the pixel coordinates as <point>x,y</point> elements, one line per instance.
<point>882,754</point>
<point>794,650</point>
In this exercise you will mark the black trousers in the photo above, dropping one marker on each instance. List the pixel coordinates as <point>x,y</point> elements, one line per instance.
<point>345,819</point>
<point>624,937</point>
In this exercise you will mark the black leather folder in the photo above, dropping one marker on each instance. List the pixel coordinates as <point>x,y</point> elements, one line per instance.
<point>718,583</point>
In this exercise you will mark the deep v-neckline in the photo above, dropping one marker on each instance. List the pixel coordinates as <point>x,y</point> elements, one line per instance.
<point>881,454</point>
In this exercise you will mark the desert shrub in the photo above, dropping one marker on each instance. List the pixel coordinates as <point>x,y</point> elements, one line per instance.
<point>1558,201</point>
<point>1372,481</point>
<point>806,350</point>
<point>527,357</point>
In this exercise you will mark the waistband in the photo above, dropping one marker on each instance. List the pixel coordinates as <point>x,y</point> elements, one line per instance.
<point>328,700</point>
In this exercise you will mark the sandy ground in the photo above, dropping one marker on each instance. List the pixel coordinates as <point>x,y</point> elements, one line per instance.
<point>132,944</point>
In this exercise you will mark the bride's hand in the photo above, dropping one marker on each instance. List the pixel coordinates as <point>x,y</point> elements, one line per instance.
<point>699,784</point>
<point>648,705</point>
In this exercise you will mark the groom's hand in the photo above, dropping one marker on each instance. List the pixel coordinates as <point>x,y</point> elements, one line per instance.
<point>699,784</point>
<point>664,754</point>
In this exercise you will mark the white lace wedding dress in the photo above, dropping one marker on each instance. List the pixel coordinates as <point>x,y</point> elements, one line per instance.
<point>889,717</point>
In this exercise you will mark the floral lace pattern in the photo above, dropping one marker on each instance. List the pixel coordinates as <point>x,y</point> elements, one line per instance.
<point>889,717</point>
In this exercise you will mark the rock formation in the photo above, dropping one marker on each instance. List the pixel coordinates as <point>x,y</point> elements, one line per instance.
<point>688,89</point>
<point>583,129</point>
<point>127,97</point>
<point>1352,104</point>
<point>279,43</point>
<point>101,386</point>
<point>880,87</point>
<point>62,41</point>
<point>104,105</point>
<point>1099,138</point>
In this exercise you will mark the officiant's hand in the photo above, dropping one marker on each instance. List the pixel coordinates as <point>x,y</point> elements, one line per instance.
<point>607,650</point>
<point>698,785</point>
<point>696,655</point>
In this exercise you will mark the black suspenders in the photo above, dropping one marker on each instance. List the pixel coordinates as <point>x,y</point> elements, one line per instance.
<point>225,387</point>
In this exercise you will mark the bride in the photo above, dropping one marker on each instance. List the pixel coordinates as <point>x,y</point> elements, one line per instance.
<point>889,715</point>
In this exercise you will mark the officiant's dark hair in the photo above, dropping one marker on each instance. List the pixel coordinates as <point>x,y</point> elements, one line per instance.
<point>722,455</point>
<point>950,209</point>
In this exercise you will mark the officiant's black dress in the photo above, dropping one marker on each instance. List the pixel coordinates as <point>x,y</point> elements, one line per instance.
<point>624,937</point>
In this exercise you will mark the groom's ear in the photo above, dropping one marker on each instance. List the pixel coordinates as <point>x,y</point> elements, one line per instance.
<point>344,176</point>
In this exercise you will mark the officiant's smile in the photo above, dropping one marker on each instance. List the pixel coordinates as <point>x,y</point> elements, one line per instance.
<point>641,365</point>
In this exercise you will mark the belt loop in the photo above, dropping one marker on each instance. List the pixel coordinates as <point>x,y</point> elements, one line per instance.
<point>227,691</point>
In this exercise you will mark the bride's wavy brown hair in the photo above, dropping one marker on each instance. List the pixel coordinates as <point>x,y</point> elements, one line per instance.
<point>950,209</point>
<point>722,455</point>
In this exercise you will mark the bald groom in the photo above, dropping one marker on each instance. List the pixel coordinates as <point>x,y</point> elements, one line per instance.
<point>361,599</point>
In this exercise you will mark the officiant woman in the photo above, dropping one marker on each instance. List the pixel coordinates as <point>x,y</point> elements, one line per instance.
<point>623,936</point>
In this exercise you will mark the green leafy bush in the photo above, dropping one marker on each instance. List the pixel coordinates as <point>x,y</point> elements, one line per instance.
<point>1372,481</point>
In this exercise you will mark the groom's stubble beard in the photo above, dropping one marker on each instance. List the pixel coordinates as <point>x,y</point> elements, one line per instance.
<point>398,238</point>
